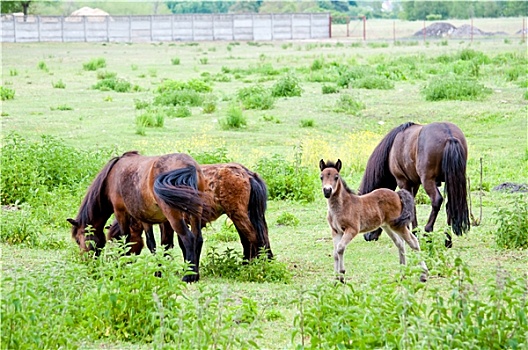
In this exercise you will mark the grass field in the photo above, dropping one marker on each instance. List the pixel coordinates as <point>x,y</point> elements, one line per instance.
<point>54,95</point>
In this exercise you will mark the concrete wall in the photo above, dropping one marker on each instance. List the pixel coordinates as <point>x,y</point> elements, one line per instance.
<point>194,27</point>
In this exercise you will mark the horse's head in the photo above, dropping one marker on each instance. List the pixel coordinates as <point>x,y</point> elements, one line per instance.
<point>330,176</point>
<point>87,237</point>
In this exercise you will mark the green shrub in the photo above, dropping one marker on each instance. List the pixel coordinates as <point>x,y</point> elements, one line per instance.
<point>286,180</point>
<point>32,168</point>
<point>59,84</point>
<point>329,89</point>
<point>141,104</point>
<point>348,104</point>
<point>307,123</point>
<point>42,66</point>
<point>179,97</point>
<point>256,97</point>
<point>512,224</point>
<point>18,226</point>
<point>62,108</point>
<point>373,82</point>
<point>287,86</point>
<point>101,75</point>
<point>152,117</point>
<point>6,93</point>
<point>235,118</point>
<point>115,84</point>
<point>119,299</point>
<point>175,61</point>
<point>209,105</point>
<point>317,64</point>
<point>218,155</point>
<point>230,265</point>
<point>408,315</point>
<point>472,55</point>
<point>227,233</point>
<point>94,64</point>
<point>347,75</point>
<point>180,112</point>
<point>13,72</point>
<point>453,88</point>
<point>287,219</point>
<point>204,60</point>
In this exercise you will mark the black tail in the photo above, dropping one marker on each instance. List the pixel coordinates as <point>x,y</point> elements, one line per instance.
<point>178,188</point>
<point>407,213</point>
<point>257,207</point>
<point>377,173</point>
<point>454,169</point>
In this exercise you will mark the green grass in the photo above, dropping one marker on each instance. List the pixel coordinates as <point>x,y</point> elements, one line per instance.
<point>42,272</point>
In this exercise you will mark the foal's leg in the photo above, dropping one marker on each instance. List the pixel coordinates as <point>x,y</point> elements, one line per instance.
<point>398,241</point>
<point>336,237</point>
<point>412,241</point>
<point>339,249</point>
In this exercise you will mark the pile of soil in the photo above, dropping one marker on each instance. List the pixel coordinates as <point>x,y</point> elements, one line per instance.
<point>438,29</point>
<point>92,14</point>
<point>511,187</point>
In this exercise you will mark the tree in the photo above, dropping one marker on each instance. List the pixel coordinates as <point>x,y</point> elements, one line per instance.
<point>15,6</point>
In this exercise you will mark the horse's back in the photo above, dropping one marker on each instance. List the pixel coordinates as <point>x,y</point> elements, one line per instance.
<point>404,153</point>
<point>228,187</point>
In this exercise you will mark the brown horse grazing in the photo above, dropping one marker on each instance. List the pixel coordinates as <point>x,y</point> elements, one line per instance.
<point>152,190</point>
<point>233,190</point>
<point>413,154</point>
<point>350,214</point>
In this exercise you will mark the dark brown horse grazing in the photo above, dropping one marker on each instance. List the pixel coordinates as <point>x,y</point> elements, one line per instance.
<point>350,214</point>
<point>231,189</point>
<point>413,154</point>
<point>148,189</point>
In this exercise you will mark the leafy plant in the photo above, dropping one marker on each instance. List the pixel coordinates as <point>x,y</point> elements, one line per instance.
<point>307,123</point>
<point>348,104</point>
<point>59,84</point>
<point>234,119</point>
<point>287,219</point>
<point>175,61</point>
<point>6,93</point>
<point>512,224</point>
<point>43,66</point>
<point>451,88</point>
<point>115,84</point>
<point>287,86</point>
<point>329,89</point>
<point>94,64</point>
<point>153,117</point>
<point>256,97</point>
<point>62,107</point>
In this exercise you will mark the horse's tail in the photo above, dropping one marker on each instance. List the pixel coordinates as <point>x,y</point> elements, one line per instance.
<point>377,173</point>
<point>454,169</point>
<point>257,207</point>
<point>179,189</point>
<point>407,213</point>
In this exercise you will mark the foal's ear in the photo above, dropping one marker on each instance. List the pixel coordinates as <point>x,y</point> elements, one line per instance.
<point>73,222</point>
<point>322,165</point>
<point>338,165</point>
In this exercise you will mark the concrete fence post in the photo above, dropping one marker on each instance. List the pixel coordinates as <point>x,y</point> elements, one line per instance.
<point>84,29</point>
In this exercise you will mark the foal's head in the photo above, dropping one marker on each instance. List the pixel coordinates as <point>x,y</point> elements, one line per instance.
<point>330,176</point>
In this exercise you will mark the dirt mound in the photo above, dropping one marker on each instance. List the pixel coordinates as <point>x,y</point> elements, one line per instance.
<point>511,187</point>
<point>438,29</point>
<point>465,31</point>
<point>92,14</point>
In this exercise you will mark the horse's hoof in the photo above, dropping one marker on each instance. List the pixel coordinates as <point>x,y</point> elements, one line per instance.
<point>191,278</point>
<point>423,278</point>
<point>369,237</point>
<point>448,242</point>
<point>340,278</point>
<point>157,274</point>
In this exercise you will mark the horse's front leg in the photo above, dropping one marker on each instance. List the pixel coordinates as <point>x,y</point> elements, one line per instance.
<point>336,237</point>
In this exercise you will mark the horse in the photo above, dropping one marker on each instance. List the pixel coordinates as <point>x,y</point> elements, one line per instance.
<point>413,154</point>
<point>231,189</point>
<point>149,189</point>
<point>350,214</point>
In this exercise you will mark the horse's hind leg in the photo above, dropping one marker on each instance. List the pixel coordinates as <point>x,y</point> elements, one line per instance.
<point>149,234</point>
<point>248,236</point>
<point>436,203</point>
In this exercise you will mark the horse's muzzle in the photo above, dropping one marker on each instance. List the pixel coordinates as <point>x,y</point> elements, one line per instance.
<point>327,191</point>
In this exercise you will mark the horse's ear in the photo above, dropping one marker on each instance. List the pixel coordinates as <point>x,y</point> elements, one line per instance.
<point>338,165</point>
<point>322,165</point>
<point>73,222</point>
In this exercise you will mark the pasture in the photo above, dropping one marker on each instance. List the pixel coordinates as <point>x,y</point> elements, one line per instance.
<point>277,108</point>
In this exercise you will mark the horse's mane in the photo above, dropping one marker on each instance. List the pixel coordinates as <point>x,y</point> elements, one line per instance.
<point>377,173</point>
<point>95,201</point>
